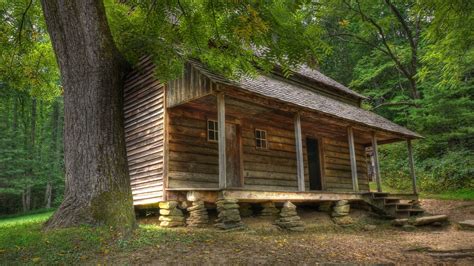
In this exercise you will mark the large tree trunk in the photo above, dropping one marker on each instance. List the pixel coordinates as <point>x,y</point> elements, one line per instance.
<point>97,183</point>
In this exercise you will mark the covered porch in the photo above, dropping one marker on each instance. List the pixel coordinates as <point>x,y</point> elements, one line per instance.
<point>282,170</point>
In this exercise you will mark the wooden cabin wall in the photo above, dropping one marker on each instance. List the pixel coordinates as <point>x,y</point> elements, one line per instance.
<point>190,86</point>
<point>337,170</point>
<point>144,134</point>
<point>192,160</point>
<point>272,169</point>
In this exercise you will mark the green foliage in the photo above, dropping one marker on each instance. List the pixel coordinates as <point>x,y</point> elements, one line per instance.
<point>223,34</point>
<point>364,32</point>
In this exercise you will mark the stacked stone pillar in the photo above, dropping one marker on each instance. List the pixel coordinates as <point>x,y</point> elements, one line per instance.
<point>289,219</point>
<point>229,215</point>
<point>170,215</point>
<point>269,209</point>
<point>198,216</point>
<point>340,213</point>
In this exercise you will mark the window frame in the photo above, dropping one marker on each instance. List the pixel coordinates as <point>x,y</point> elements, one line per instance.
<point>215,130</point>
<point>261,139</point>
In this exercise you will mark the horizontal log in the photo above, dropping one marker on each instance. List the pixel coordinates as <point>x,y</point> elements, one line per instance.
<point>146,169</point>
<point>148,195</point>
<point>145,151</point>
<point>195,149</point>
<point>268,160</point>
<point>139,104</point>
<point>269,175</point>
<point>147,180</point>
<point>192,176</point>
<point>147,189</point>
<point>273,182</point>
<point>173,183</point>
<point>144,175</point>
<point>145,107</point>
<point>152,156</point>
<point>189,157</point>
<point>193,167</point>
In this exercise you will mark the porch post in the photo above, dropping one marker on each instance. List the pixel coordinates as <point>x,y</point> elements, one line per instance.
<point>221,139</point>
<point>376,162</point>
<point>355,182</point>
<point>412,166</point>
<point>299,152</point>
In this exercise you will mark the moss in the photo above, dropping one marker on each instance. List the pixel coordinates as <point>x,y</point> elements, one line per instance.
<point>114,209</point>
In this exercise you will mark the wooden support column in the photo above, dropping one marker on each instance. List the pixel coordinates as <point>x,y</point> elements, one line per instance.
<point>221,139</point>
<point>412,166</point>
<point>299,152</point>
<point>375,153</point>
<point>350,138</point>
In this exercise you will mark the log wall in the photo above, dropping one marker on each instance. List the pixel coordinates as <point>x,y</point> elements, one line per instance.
<point>144,132</point>
<point>193,84</point>
<point>193,161</point>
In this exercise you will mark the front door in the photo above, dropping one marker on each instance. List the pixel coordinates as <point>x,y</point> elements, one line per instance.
<point>312,146</point>
<point>232,152</point>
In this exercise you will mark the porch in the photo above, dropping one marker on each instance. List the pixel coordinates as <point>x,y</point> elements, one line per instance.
<point>233,166</point>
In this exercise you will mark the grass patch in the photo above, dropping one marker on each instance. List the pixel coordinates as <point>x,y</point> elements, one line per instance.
<point>23,241</point>
<point>461,194</point>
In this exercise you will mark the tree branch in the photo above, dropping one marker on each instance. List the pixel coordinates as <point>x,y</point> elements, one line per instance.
<point>410,37</point>
<point>22,21</point>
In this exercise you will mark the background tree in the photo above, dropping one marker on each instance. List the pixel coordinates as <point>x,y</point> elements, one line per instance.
<point>414,61</point>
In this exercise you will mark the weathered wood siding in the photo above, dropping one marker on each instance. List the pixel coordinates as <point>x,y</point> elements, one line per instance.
<point>192,160</point>
<point>337,169</point>
<point>144,132</point>
<point>192,85</point>
<point>272,169</point>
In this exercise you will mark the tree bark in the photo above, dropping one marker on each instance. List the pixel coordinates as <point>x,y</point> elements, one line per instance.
<point>97,188</point>
<point>47,195</point>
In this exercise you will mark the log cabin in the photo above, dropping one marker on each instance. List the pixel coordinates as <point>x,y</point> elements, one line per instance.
<point>266,138</point>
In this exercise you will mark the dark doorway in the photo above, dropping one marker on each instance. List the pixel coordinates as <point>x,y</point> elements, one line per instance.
<point>314,164</point>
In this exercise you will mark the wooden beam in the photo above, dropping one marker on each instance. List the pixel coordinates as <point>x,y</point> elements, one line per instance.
<point>221,139</point>
<point>376,162</point>
<point>299,152</point>
<point>412,166</point>
<point>281,196</point>
<point>207,196</point>
<point>350,136</point>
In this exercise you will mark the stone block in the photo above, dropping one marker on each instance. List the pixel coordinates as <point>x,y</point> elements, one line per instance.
<point>168,204</point>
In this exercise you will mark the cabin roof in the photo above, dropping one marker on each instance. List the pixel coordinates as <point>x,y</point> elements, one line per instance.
<point>282,90</point>
<point>319,77</point>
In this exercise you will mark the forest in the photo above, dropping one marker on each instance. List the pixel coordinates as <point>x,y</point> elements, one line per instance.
<point>414,60</point>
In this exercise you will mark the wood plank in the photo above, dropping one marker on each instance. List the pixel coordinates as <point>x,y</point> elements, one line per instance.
<point>350,136</point>
<point>256,195</point>
<point>221,139</point>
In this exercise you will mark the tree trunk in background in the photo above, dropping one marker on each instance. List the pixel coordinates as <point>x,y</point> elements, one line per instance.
<point>15,114</point>
<point>97,188</point>
<point>47,195</point>
<point>54,151</point>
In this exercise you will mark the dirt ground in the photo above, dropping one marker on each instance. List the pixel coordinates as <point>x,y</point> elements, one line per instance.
<point>323,242</point>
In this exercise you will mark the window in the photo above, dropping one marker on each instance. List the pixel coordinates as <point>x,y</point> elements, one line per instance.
<point>212,130</point>
<point>260,139</point>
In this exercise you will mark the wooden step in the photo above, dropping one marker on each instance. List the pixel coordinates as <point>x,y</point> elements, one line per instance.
<point>400,205</point>
<point>377,195</point>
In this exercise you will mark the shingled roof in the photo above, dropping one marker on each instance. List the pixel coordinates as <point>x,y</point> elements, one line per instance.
<point>281,90</point>
<point>319,77</point>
